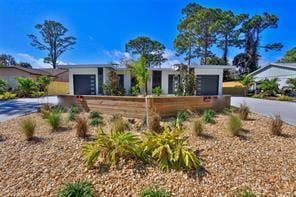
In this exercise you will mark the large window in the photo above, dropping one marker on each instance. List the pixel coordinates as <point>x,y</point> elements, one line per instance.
<point>121,81</point>
<point>156,79</point>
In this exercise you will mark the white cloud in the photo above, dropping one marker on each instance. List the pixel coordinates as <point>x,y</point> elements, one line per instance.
<point>116,54</point>
<point>171,58</point>
<point>35,62</point>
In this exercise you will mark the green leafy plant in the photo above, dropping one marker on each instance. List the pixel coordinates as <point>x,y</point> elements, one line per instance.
<point>134,91</point>
<point>234,124</point>
<point>28,127</point>
<point>180,119</point>
<point>155,192</point>
<point>96,122</point>
<point>95,114</point>
<point>258,96</point>
<point>110,148</point>
<point>170,150</point>
<point>154,123</point>
<point>157,91</point>
<point>292,83</point>
<point>208,116</point>
<point>270,87</point>
<point>72,113</point>
<point>198,127</point>
<point>36,94</point>
<point>276,125</point>
<point>245,192</point>
<point>26,86</point>
<point>54,119</point>
<point>77,189</point>
<point>7,95</point>
<point>119,125</point>
<point>112,86</point>
<point>81,126</point>
<point>3,86</point>
<point>43,83</point>
<point>243,111</point>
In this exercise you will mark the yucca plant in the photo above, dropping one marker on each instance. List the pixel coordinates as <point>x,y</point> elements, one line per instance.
<point>155,192</point>
<point>119,125</point>
<point>208,116</point>
<point>276,125</point>
<point>110,148</point>
<point>54,119</point>
<point>25,86</point>
<point>198,127</point>
<point>77,189</point>
<point>234,124</point>
<point>28,127</point>
<point>81,126</point>
<point>243,111</point>
<point>170,150</point>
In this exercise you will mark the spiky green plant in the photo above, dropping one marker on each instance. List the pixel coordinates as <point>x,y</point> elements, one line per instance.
<point>54,119</point>
<point>270,87</point>
<point>208,116</point>
<point>234,124</point>
<point>157,91</point>
<point>26,86</point>
<point>77,189</point>
<point>155,192</point>
<point>111,147</point>
<point>28,127</point>
<point>96,122</point>
<point>170,150</point>
<point>180,119</point>
<point>3,86</point>
<point>95,114</point>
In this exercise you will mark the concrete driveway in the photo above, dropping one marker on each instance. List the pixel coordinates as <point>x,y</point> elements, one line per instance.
<point>18,107</point>
<point>287,110</point>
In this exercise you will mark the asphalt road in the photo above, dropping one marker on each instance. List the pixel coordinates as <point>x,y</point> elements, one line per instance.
<point>18,107</point>
<point>287,110</point>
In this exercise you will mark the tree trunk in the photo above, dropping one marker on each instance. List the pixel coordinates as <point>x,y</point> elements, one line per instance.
<point>225,54</point>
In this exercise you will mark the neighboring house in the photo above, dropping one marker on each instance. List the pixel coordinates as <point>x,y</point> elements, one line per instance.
<point>9,73</point>
<point>282,71</point>
<point>88,79</point>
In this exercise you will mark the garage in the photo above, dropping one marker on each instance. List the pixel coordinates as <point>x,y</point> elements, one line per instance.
<point>84,84</point>
<point>207,84</point>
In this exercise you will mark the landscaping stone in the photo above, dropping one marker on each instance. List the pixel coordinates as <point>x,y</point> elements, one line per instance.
<point>258,160</point>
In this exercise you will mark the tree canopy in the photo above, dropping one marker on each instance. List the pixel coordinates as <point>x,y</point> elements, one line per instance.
<point>7,60</point>
<point>151,50</point>
<point>290,56</point>
<point>52,38</point>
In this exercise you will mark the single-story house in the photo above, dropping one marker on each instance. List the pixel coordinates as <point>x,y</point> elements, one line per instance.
<point>88,79</point>
<point>8,73</point>
<point>282,71</point>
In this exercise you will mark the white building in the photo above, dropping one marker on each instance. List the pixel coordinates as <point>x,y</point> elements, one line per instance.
<point>87,79</point>
<point>282,71</point>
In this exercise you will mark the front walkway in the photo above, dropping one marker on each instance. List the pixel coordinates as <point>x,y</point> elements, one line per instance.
<point>287,110</point>
<point>18,107</point>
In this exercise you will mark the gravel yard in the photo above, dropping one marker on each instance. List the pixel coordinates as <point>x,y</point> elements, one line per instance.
<point>264,163</point>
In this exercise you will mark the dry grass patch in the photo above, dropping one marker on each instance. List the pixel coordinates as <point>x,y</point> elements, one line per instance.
<point>198,127</point>
<point>276,125</point>
<point>81,126</point>
<point>234,124</point>
<point>28,127</point>
<point>243,111</point>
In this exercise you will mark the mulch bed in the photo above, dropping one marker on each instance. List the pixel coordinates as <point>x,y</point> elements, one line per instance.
<point>264,163</point>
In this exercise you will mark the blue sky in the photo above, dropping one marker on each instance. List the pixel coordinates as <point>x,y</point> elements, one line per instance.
<point>102,27</point>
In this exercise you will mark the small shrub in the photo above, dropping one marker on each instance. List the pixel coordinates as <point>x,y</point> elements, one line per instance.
<point>94,114</point>
<point>45,110</point>
<point>3,86</point>
<point>7,95</point>
<point>36,94</point>
<point>285,98</point>
<point>157,91</point>
<point>246,192</point>
<point>243,111</point>
<point>180,119</point>
<point>96,122</point>
<point>258,96</point>
<point>115,117</point>
<point>154,123</point>
<point>155,192</point>
<point>57,109</point>
<point>73,112</point>
<point>77,189</point>
<point>119,125</point>
<point>208,116</point>
<point>111,147</point>
<point>276,125</point>
<point>54,119</point>
<point>198,127</point>
<point>28,127</point>
<point>81,126</point>
<point>234,124</point>
<point>134,91</point>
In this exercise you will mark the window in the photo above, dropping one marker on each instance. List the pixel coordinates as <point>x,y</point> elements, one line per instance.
<point>156,79</point>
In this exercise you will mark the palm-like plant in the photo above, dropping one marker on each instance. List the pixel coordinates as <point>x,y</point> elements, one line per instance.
<point>111,147</point>
<point>43,83</point>
<point>26,86</point>
<point>248,81</point>
<point>170,150</point>
<point>292,83</point>
<point>270,87</point>
<point>3,86</point>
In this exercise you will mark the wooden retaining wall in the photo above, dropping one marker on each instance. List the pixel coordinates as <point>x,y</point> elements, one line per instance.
<point>135,107</point>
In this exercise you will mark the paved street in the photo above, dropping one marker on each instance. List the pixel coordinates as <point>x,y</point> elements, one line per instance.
<point>287,110</point>
<point>18,107</point>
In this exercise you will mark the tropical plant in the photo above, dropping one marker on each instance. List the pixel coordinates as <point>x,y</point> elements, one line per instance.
<point>81,126</point>
<point>180,119</point>
<point>26,86</point>
<point>154,123</point>
<point>53,40</point>
<point>112,86</point>
<point>198,127</point>
<point>270,87</point>
<point>155,192</point>
<point>292,83</point>
<point>208,116</point>
<point>43,83</point>
<point>140,71</point>
<point>3,86</point>
<point>119,125</point>
<point>276,125</point>
<point>28,127</point>
<point>134,91</point>
<point>54,119</point>
<point>111,147</point>
<point>247,81</point>
<point>72,113</point>
<point>170,150</point>
<point>77,189</point>
<point>7,95</point>
<point>157,91</point>
<point>234,124</point>
<point>243,111</point>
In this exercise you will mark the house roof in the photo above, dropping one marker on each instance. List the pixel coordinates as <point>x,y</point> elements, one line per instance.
<point>88,66</point>
<point>28,70</point>
<point>54,72</point>
<point>289,66</point>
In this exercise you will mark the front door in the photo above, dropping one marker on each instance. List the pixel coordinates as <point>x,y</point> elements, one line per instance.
<point>207,84</point>
<point>84,84</point>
